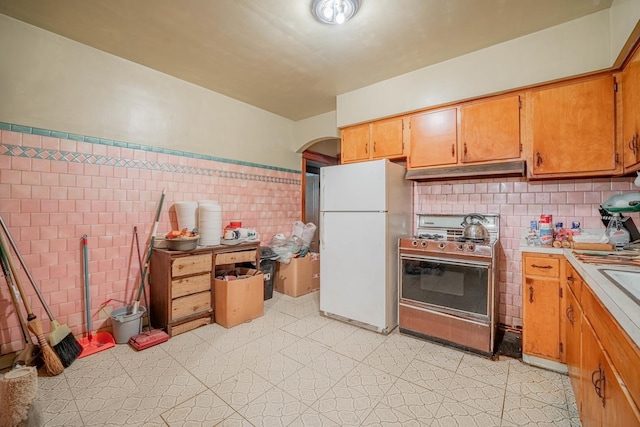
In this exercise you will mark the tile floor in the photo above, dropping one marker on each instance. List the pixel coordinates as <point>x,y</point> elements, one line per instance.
<point>295,367</point>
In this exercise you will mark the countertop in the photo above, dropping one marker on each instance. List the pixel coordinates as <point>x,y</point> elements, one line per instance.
<point>620,305</point>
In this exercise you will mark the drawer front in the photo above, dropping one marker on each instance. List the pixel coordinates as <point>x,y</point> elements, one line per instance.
<point>186,306</point>
<point>190,325</point>
<point>190,285</point>
<point>187,265</point>
<point>233,257</point>
<point>541,266</point>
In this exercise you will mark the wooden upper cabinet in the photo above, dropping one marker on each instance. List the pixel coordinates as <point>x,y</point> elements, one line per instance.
<point>382,139</point>
<point>490,130</point>
<point>354,146</point>
<point>573,129</point>
<point>630,91</point>
<point>387,138</point>
<point>434,139</point>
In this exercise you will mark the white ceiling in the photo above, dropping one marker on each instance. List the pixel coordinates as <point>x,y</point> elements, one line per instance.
<point>274,55</point>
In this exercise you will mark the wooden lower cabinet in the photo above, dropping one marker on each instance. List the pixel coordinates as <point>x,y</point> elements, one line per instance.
<point>597,355</point>
<point>573,341</point>
<point>541,304</point>
<point>182,295</point>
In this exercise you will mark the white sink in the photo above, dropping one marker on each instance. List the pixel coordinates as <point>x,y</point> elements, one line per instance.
<point>627,281</point>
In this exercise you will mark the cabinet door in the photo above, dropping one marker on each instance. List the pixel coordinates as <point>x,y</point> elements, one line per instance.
<point>434,139</point>
<point>630,88</point>
<point>605,400</point>
<point>574,129</point>
<point>386,139</point>
<point>490,130</point>
<point>355,143</point>
<point>541,331</point>
<point>573,322</point>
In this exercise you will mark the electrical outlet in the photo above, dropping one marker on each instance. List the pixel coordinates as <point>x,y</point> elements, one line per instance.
<point>105,312</point>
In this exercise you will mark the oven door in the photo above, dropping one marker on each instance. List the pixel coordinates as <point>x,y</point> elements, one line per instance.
<point>457,287</point>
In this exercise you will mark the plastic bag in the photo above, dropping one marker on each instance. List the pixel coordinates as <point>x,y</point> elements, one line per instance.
<point>285,247</point>
<point>304,231</point>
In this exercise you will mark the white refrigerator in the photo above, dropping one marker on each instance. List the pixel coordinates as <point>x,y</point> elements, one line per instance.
<point>364,209</point>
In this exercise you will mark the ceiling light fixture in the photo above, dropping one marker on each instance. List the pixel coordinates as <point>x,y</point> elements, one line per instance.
<point>334,11</point>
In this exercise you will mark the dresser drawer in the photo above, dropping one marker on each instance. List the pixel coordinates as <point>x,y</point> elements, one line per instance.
<point>190,285</point>
<point>233,257</point>
<point>541,266</point>
<point>190,304</point>
<point>194,264</point>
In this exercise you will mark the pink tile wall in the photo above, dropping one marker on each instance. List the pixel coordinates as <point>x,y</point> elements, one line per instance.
<point>48,206</point>
<point>518,202</point>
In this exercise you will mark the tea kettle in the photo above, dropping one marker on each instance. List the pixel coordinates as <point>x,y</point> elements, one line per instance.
<point>473,228</point>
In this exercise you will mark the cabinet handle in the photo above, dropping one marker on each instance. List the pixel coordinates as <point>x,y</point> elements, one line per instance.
<point>366,149</point>
<point>570,279</point>
<point>570,314</point>
<point>538,158</point>
<point>530,293</point>
<point>599,384</point>
<point>465,149</point>
<point>453,150</point>
<point>544,267</point>
<point>374,146</point>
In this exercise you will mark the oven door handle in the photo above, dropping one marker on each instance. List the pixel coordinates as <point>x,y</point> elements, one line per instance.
<point>448,261</point>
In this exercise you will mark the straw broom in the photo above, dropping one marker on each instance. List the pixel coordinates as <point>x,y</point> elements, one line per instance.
<point>61,337</point>
<point>51,360</point>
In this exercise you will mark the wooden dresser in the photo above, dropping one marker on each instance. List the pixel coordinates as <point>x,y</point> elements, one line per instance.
<point>182,291</point>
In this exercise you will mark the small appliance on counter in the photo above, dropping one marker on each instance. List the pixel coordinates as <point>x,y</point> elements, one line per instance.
<point>627,222</point>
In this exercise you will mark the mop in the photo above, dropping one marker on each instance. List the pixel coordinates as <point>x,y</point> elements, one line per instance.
<point>51,360</point>
<point>153,336</point>
<point>30,353</point>
<point>61,337</point>
<point>102,340</point>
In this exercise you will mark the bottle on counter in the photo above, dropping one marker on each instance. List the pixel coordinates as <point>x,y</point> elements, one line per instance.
<point>545,230</point>
<point>575,228</point>
<point>533,238</point>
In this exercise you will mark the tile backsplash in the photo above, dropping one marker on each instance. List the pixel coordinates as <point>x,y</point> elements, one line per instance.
<point>518,202</point>
<point>55,187</point>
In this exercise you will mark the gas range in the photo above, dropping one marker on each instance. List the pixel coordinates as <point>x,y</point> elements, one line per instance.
<point>443,233</point>
<point>448,284</point>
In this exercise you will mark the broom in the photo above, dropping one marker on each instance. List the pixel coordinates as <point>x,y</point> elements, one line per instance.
<point>61,338</point>
<point>30,352</point>
<point>51,360</point>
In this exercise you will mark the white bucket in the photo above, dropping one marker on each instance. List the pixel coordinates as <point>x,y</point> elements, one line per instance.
<point>187,214</point>
<point>209,222</point>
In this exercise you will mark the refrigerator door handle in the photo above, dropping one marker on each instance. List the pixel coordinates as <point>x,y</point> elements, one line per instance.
<point>321,233</point>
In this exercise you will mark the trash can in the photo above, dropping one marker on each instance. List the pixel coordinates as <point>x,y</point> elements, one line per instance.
<point>268,267</point>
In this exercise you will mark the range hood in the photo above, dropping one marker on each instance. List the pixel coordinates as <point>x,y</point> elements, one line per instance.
<point>515,168</point>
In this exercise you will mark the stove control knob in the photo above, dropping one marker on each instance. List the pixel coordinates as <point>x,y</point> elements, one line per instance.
<point>414,243</point>
<point>460,246</point>
<point>471,247</point>
<point>442,245</point>
<point>424,243</point>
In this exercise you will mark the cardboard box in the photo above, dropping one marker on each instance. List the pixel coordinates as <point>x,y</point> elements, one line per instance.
<point>240,300</point>
<point>299,277</point>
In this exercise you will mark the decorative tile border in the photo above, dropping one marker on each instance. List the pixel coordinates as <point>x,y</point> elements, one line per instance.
<point>75,157</point>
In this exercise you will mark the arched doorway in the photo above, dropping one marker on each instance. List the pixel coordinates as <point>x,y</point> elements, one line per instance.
<point>317,155</point>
